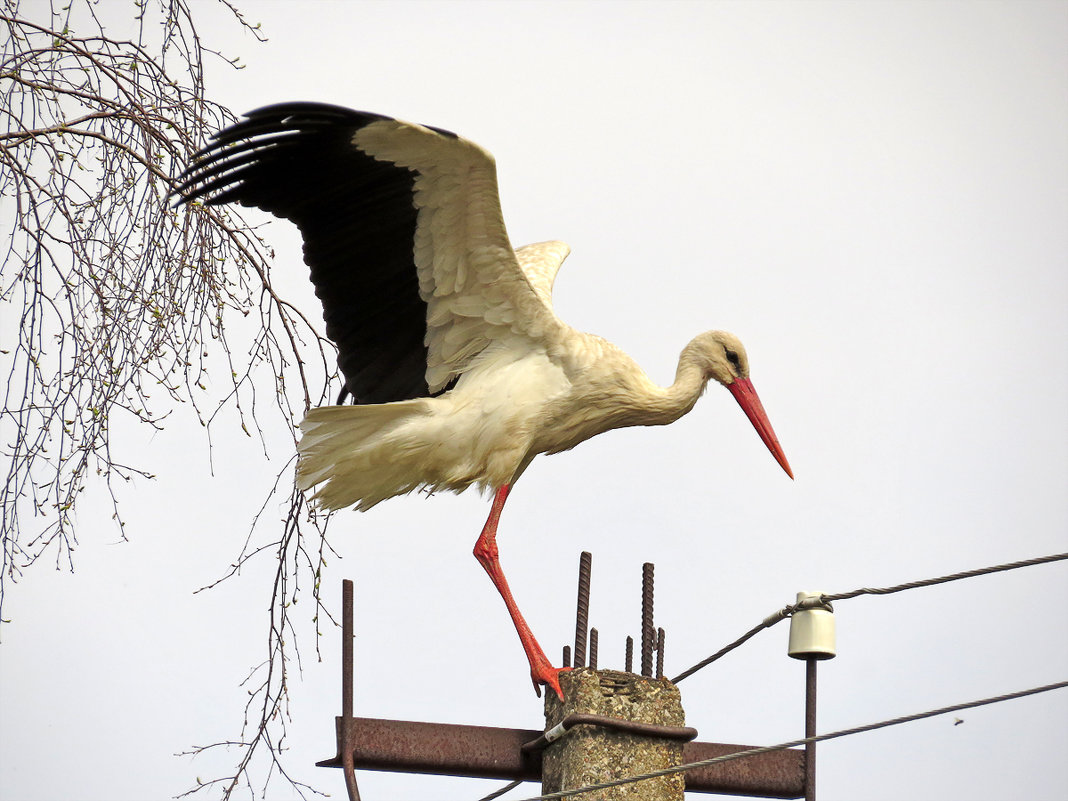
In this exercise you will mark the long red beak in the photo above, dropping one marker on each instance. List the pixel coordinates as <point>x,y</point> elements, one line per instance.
<point>743,392</point>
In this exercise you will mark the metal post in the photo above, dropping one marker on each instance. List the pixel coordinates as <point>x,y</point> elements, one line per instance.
<point>811,639</point>
<point>810,728</point>
<point>346,749</point>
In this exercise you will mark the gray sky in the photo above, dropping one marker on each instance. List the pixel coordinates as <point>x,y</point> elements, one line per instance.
<point>873,196</point>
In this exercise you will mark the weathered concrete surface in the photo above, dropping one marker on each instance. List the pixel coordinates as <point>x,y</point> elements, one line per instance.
<point>592,754</point>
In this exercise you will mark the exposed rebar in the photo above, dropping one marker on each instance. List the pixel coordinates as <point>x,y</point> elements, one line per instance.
<point>629,659</point>
<point>593,649</point>
<point>660,653</point>
<point>647,619</point>
<point>582,608</point>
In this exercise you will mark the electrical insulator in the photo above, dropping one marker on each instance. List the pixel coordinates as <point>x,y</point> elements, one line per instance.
<point>812,630</point>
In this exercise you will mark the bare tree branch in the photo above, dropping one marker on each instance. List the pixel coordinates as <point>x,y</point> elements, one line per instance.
<point>118,307</point>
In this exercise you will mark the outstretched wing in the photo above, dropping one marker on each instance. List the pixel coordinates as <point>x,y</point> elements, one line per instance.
<point>402,231</point>
<point>540,263</point>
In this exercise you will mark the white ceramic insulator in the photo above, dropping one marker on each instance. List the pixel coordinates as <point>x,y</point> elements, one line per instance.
<point>811,631</point>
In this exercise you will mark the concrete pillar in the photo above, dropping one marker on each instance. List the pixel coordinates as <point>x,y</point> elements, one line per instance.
<point>591,754</point>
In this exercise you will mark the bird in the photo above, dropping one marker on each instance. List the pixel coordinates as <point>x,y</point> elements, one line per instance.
<point>458,371</point>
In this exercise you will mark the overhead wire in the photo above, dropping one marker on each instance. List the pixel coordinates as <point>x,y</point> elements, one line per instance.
<point>498,793</point>
<point>912,585</point>
<point>824,599</point>
<point>782,614</point>
<point>804,740</point>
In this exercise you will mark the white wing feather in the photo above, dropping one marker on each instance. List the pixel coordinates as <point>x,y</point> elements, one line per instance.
<point>476,289</point>
<point>540,263</point>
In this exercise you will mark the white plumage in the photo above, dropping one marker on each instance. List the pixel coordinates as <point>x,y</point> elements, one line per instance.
<point>459,369</point>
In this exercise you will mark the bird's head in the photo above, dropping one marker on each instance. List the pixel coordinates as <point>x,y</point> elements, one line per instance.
<point>722,357</point>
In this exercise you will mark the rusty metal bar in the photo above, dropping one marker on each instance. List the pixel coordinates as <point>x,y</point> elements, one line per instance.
<point>494,753</point>
<point>810,728</point>
<point>445,749</point>
<point>647,619</point>
<point>660,653</point>
<point>345,741</point>
<point>780,775</point>
<point>346,648</point>
<point>628,660</point>
<point>593,649</point>
<point>582,608</point>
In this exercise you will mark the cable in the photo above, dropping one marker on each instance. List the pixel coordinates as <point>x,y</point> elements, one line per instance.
<point>943,579</point>
<point>636,727</point>
<point>502,791</point>
<point>823,600</point>
<point>684,733</point>
<point>786,612</point>
<point>794,743</point>
<point>768,622</point>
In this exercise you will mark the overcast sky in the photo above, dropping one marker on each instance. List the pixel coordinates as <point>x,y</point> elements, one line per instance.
<point>873,196</point>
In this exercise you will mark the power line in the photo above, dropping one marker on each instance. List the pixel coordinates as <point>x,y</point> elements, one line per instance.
<point>788,610</point>
<point>912,585</point>
<point>767,622</point>
<point>794,743</point>
<point>502,791</point>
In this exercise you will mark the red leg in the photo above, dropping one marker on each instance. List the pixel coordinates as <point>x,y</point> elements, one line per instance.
<point>541,670</point>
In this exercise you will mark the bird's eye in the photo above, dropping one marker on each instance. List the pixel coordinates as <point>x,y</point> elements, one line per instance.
<point>732,357</point>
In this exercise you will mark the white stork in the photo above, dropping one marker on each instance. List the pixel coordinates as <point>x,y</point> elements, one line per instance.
<point>458,369</point>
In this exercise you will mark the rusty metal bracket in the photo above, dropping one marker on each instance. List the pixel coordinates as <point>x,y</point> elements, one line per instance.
<point>490,752</point>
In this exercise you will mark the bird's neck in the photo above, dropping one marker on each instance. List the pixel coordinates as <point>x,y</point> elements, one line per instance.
<point>671,403</point>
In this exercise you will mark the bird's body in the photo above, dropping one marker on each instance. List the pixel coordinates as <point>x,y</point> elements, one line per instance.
<point>512,403</point>
<point>460,371</point>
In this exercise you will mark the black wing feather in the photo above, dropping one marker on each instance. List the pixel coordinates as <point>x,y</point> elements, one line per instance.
<point>298,161</point>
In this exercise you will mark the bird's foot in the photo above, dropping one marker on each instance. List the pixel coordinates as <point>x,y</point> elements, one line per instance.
<point>544,673</point>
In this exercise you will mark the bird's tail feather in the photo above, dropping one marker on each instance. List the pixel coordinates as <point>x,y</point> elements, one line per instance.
<point>360,455</point>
